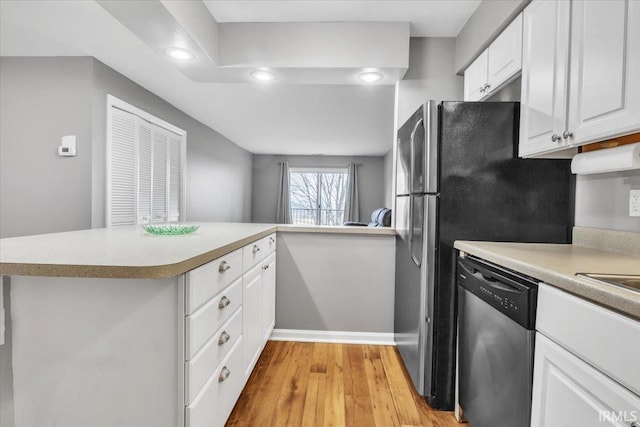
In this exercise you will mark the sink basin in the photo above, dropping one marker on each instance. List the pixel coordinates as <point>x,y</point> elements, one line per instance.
<point>627,281</point>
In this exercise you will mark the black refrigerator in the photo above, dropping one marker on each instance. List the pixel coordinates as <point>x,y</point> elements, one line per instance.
<point>458,177</point>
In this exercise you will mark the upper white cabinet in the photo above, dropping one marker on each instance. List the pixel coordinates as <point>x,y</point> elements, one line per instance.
<point>545,73</point>
<point>578,84</point>
<point>604,95</point>
<point>497,65</point>
<point>475,78</point>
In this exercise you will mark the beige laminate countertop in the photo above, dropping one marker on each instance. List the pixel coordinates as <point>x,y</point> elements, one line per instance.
<point>129,252</point>
<point>123,252</point>
<point>557,265</point>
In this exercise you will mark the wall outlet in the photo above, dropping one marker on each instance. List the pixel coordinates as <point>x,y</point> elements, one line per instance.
<point>634,203</point>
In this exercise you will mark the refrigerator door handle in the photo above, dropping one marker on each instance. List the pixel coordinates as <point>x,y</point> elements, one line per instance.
<point>413,154</point>
<point>411,227</point>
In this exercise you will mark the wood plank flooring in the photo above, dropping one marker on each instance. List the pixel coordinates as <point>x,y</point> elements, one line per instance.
<point>318,384</point>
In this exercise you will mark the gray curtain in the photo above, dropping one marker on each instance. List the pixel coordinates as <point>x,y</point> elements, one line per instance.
<point>283,214</point>
<point>352,204</point>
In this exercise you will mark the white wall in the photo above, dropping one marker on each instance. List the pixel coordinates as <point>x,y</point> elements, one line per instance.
<point>602,200</point>
<point>389,179</point>
<point>266,173</point>
<point>431,75</point>
<point>335,282</point>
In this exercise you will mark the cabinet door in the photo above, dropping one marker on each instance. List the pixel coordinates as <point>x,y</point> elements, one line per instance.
<point>605,59</point>
<point>544,76</point>
<point>505,55</point>
<point>475,78</point>
<point>268,296</point>
<point>569,392</point>
<point>251,318</point>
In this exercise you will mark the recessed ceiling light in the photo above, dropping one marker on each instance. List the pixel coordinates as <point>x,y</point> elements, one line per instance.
<point>370,76</point>
<point>179,53</point>
<point>263,76</point>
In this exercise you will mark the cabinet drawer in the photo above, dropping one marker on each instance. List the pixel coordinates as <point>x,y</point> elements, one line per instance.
<point>202,324</point>
<point>212,406</point>
<point>206,281</point>
<point>254,253</point>
<point>199,369</point>
<point>605,339</point>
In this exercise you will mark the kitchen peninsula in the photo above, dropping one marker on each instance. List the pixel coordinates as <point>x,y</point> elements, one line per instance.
<point>114,326</point>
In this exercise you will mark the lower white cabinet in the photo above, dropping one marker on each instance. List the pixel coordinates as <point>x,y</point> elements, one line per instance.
<point>225,336</point>
<point>586,364</point>
<point>569,392</point>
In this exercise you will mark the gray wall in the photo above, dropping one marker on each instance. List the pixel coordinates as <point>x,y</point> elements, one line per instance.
<point>602,200</point>
<point>42,99</point>
<point>430,76</point>
<point>266,173</point>
<point>335,282</point>
<point>218,171</point>
<point>388,179</point>
<point>486,23</point>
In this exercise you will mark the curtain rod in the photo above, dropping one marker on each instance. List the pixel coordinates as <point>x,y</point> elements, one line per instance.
<point>343,165</point>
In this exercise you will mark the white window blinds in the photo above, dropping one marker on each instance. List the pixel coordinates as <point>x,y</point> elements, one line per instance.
<point>144,171</point>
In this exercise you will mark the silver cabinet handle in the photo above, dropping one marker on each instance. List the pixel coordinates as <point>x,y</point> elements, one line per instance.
<point>272,240</point>
<point>223,267</point>
<point>224,301</point>
<point>566,134</point>
<point>224,337</point>
<point>482,89</point>
<point>486,86</point>
<point>555,138</point>
<point>224,374</point>
<point>256,248</point>
<point>265,267</point>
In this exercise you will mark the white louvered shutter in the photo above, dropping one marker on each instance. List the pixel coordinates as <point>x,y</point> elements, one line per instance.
<point>175,177</point>
<point>122,173</point>
<point>159,183</point>
<point>145,142</point>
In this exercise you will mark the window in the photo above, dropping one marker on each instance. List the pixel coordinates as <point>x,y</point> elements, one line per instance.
<point>145,167</point>
<point>317,196</point>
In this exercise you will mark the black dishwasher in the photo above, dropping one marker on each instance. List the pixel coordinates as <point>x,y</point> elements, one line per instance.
<point>496,333</point>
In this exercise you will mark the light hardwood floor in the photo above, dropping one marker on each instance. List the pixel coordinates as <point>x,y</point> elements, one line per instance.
<point>318,384</point>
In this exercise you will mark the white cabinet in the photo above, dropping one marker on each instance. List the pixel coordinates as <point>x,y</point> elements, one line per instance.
<point>545,73</point>
<point>604,95</point>
<point>251,321</point>
<point>475,78</point>
<point>585,361</point>
<point>580,59</point>
<point>570,392</point>
<point>497,65</point>
<point>268,296</point>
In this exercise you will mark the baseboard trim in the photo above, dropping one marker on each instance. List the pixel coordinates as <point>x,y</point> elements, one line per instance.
<point>341,337</point>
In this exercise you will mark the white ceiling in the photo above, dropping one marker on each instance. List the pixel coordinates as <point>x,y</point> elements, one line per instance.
<point>345,119</point>
<point>428,18</point>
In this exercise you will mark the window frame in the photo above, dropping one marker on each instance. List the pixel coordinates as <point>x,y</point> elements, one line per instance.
<point>113,102</point>
<point>319,170</point>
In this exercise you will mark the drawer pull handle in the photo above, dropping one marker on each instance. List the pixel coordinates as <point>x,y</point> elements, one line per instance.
<point>256,248</point>
<point>224,337</point>
<point>224,301</point>
<point>265,267</point>
<point>223,267</point>
<point>224,374</point>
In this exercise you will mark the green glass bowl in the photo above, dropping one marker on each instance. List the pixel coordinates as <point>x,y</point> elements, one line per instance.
<point>170,229</point>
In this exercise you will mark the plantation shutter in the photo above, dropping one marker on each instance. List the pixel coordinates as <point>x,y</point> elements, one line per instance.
<point>123,168</point>
<point>145,173</point>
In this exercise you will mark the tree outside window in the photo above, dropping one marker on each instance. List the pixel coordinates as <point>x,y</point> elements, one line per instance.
<point>317,196</point>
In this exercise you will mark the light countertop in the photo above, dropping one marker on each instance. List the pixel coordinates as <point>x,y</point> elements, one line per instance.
<point>129,252</point>
<point>557,265</point>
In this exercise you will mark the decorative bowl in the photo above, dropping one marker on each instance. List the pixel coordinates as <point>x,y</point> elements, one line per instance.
<point>170,229</point>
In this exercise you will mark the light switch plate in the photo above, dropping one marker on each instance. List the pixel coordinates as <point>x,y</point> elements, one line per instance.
<point>634,203</point>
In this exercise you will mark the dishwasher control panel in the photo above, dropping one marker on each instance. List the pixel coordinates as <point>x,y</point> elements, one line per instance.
<point>512,294</point>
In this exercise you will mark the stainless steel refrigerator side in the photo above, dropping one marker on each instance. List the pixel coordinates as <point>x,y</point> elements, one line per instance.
<point>431,270</point>
<point>408,297</point>
<point>431,150</point>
